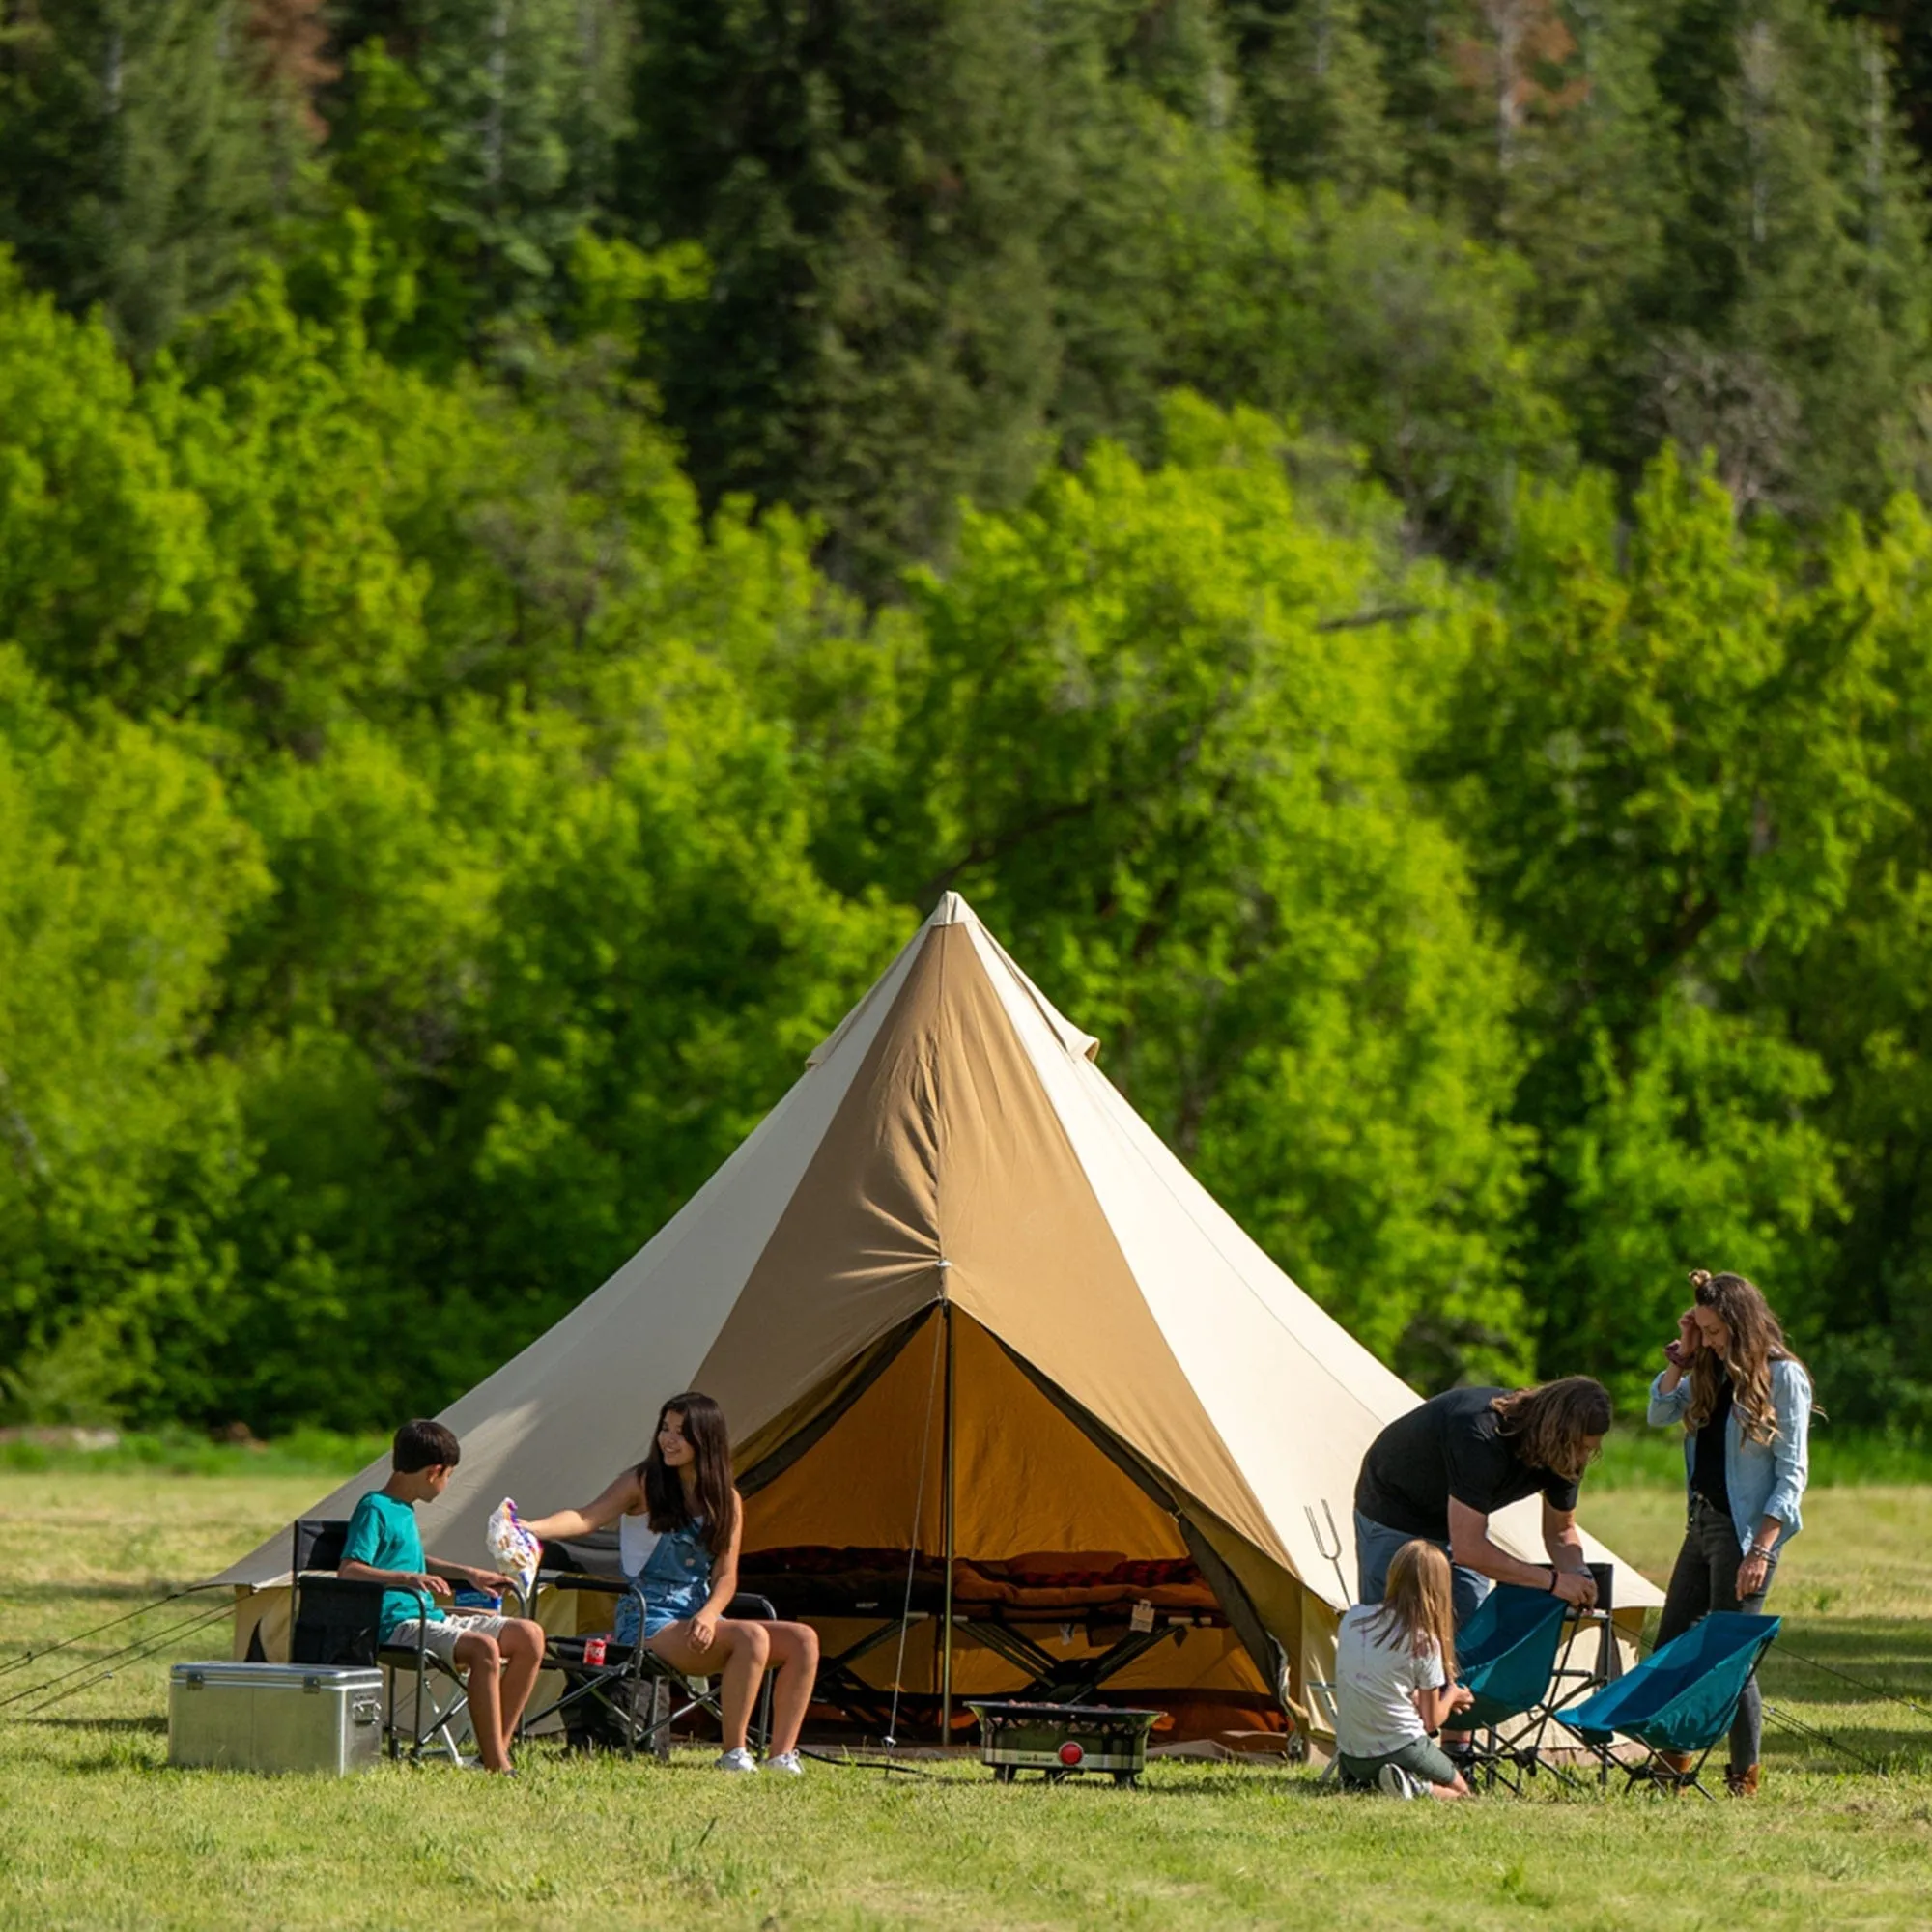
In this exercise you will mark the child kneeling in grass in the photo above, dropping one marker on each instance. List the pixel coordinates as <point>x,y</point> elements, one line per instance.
<point>1395,1671</point>
<point>383,1545</point>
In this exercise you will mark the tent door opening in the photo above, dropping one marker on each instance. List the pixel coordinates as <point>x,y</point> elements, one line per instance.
<point>1041,1568</point>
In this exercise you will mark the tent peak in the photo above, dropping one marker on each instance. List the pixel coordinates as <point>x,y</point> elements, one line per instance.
<point>952,910</point>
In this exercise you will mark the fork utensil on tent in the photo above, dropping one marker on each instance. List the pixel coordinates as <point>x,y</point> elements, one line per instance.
<point>1321,1543</point>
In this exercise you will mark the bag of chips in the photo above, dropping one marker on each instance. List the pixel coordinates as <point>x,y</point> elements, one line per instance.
<point>515,1550</point>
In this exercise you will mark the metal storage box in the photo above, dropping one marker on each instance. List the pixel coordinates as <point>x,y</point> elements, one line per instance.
<point>274,1717</point>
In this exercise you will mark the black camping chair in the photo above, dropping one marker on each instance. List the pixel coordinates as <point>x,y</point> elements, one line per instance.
<point>337,1620</point>
<point>632,1700</point>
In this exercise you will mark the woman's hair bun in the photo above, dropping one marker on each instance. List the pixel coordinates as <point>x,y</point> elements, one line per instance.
<point>1700,1277</point>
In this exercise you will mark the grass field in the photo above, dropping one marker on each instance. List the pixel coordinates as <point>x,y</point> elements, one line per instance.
<point>97,1831</point>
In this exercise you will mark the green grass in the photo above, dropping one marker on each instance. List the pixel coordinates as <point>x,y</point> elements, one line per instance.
<point>180,1452</point>
<point>1840,1458</point>
<point>97,1831</point>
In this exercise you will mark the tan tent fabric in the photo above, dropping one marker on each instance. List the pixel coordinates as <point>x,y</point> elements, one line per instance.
<point>1035,1257</point>
<point>1027,1479</point>
<point>1131,1373</point>
<point>855,1253</point>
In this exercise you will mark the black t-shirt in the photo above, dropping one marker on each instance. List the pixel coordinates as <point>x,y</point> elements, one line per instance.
<point>1448,1447</point>
<point>1708,1477</point>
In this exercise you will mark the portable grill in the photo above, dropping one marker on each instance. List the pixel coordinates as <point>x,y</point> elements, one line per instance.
<point>1062,1740</point>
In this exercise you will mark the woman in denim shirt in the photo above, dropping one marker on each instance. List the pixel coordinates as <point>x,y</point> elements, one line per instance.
<point>1745,1401</point>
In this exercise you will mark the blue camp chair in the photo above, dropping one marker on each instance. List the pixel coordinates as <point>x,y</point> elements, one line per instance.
<point>1506,1654</point>
<point>1680,1699</point>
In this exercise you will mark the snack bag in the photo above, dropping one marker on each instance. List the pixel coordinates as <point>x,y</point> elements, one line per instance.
<point>515,1550</point>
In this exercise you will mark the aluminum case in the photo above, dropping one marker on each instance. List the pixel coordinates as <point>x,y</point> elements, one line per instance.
<point>274,1717</point>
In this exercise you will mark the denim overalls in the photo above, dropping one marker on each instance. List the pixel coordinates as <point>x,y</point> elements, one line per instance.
<point>675,1579</point>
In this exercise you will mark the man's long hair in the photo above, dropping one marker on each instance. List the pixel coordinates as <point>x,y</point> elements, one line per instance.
<point>1418,1604</point>
<point>1757,1341</point>
<point>716,1500</point>
<point>1548,1425</point>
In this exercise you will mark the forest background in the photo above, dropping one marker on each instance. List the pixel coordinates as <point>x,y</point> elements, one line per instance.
<point>1383,543</point>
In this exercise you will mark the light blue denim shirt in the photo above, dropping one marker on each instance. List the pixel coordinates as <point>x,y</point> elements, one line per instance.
<point>1763,1478</point>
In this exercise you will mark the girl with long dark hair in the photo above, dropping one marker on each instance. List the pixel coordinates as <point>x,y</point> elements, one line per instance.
<point>679,1518</point>
<point>1744,1403</point>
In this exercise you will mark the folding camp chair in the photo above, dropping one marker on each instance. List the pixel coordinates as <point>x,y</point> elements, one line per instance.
<point>1680,1699</point>
<point>633,1699</point>
<point>337,1620</point>
<point>1506,1654</point>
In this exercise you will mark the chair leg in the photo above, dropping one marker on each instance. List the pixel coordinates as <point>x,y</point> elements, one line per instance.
<point>441,1717</point>
<point>1696,1781</point>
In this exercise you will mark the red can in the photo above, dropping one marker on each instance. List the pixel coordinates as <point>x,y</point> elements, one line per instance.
<point>594,1649</point>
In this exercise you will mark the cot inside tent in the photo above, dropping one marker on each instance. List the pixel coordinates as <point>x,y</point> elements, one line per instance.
<point>1009,1392</point>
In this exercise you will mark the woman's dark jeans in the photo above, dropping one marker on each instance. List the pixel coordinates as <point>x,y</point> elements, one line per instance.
<point>1706,1579</point>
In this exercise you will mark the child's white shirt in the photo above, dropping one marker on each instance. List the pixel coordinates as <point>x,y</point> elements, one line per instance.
<point>1376,1676</point>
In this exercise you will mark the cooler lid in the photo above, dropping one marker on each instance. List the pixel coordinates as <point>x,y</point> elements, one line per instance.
<point>278,1676</point>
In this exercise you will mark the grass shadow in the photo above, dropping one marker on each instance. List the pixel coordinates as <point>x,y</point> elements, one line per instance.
<point>155,1725</point>
<point>53,1591</point>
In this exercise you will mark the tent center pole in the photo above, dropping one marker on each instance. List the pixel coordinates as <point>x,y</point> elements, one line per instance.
<point>946,1465</point>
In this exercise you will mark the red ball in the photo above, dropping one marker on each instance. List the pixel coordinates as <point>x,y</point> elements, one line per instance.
<point>1070,1754</point>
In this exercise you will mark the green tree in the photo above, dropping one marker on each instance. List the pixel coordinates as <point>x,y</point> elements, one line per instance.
<point>1855,995</point>
<point>122,868</point>
<point>479,137</point>
<point>873,187</point>
<point>1375,326</point>
<point>1792,321</point>
<point>138,161</point>
<point>1315,93</point>
<point>111,582</point>
<point>1663,769</point>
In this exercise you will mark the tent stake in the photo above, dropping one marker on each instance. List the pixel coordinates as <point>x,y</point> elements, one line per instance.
<point>946,1514</point>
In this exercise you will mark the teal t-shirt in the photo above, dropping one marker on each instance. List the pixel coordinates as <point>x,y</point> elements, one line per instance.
<point>383,1533</point>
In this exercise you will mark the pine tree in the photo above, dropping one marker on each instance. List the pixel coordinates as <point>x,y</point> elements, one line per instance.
<point>522,106</point>
<point>1904,29</point>
<point>1796,319</point>
<point>1315,92</point>
<point>1587,199</point>
<point>874,186</point>
<point>137,163</point>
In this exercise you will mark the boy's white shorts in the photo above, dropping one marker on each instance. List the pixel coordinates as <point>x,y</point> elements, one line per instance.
<point>441,1633</point>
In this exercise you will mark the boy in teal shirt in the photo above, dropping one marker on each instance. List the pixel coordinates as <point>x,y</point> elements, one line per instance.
<point>499,1656</point>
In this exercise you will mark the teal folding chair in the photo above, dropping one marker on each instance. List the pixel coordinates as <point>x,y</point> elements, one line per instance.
<point>1680,1699</point>
<point>1506,1654</point>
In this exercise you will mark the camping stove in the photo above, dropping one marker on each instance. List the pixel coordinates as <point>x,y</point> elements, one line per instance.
<point>1062,1740</point>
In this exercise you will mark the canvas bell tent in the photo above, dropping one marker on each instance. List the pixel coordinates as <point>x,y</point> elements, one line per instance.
<point>1013,1399</point>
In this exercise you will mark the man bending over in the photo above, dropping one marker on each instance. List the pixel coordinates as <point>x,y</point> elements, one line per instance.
<point>1443,1469</point>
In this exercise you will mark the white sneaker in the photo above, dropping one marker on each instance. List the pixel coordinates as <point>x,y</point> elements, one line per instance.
<point>1396,1782</point>
<point>737,1760</point>
<point>787,1762</point>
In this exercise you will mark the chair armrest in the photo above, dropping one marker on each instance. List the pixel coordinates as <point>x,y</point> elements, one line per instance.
<point>748,1607</point>
<point>361,1585</point>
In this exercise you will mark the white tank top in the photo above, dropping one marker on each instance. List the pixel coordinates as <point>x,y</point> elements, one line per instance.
<point>635,1540</point>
